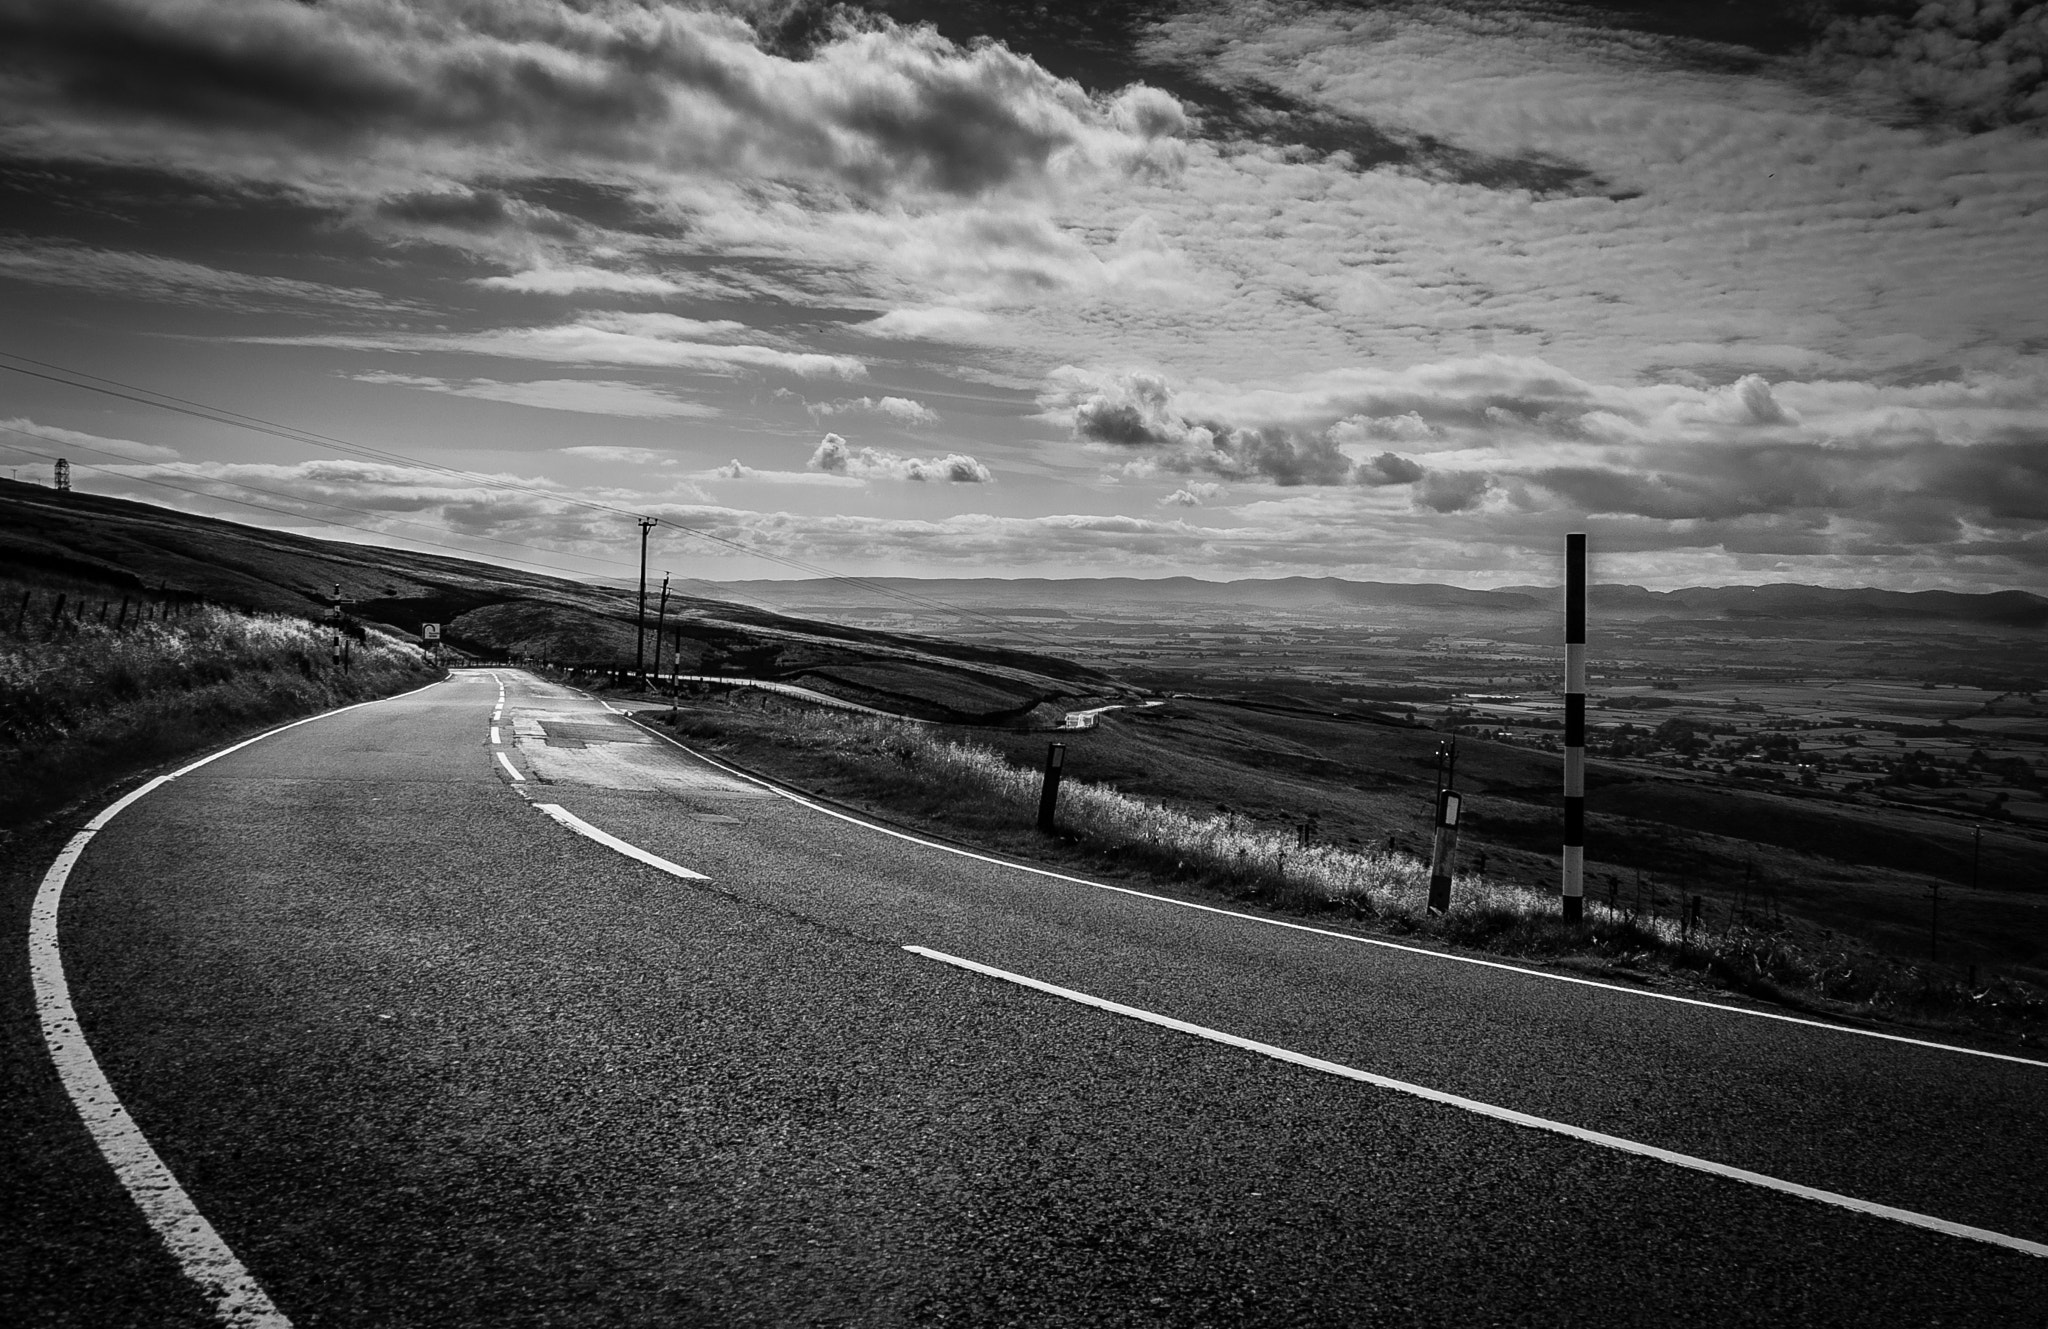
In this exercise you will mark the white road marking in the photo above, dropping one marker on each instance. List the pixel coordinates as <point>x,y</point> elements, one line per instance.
<point>237,1299</point>
<point>1352,937</point>
<point>510,769</point>
<point>1473,1105</point>
<point>494,731</point>
<point>610,841</point>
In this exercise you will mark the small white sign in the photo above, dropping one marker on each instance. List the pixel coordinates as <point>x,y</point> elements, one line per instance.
<point>430,631</point>
<point>1450,809</point>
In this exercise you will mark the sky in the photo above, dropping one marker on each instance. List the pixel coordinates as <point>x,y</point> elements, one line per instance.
<point>1749,291</point>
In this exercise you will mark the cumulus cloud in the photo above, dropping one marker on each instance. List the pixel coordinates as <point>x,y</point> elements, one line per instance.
<point>834,456</point>
<point>900,410</point>
<point>1138,410</point>
<point>1192,495</point>
<point>586,396</point>
<point>1388,469</point>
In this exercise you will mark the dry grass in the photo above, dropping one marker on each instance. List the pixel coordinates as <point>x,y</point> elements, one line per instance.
<point>971,788</point>
<point>84,702</point>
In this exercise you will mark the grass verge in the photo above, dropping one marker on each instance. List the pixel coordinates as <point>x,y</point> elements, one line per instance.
<point>929,777</point>
<point>84,703</point>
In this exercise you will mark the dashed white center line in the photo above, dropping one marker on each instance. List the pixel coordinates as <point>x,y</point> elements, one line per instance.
<point>510,769</point>
<point>1615,1142</point>
<point>494,733</point>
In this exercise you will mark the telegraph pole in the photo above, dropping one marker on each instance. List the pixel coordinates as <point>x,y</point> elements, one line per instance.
<point>640,636</point>
<point>660,620</point>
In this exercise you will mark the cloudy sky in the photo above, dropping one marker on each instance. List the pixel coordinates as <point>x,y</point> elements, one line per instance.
<point>1400,291</point>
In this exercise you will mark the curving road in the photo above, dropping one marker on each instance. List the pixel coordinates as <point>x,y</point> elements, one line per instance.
<point>425,1052</point>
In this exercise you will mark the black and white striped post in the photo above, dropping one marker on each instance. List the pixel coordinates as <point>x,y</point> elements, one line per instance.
<point>1574,727</point>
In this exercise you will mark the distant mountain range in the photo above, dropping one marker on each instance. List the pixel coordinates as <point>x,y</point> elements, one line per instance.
<point>1051,596</point>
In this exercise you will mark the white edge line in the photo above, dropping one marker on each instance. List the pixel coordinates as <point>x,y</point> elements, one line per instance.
<point>238,1300</point>
<point>1345,936</point>
<point>610,841</point>
<point>1615,1142</point>
<point>510,769</point>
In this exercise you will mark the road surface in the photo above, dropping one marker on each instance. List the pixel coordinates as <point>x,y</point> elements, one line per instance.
<point>424,1052</point>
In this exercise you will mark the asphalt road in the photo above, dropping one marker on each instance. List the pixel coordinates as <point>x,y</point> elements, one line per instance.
<point>426,1056</point>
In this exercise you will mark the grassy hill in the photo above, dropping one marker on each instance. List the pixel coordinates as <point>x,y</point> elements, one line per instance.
<point>113,547</point>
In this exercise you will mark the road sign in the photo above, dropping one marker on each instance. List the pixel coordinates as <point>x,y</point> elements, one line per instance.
<point>430,632</point>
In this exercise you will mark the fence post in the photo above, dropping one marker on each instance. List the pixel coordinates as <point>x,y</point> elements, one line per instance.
<point>1048,798</point>
<point>21,614</point>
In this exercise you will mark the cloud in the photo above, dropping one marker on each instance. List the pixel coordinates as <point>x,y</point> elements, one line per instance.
<point>126,275</point>
<point>623,455</point>
<point>1388,469</point>
<point>72,439</point>
<point>576,279</point>
<point>1192,495</point>
<point>1137,410</point>
<point>739,470</point>
<point>586,396</point>
<point>1978,63</point>
<point>926,324</point>
<point>875,108</point>
<point>652,340</point>
<point>834,457</point>
<point>901,410</point>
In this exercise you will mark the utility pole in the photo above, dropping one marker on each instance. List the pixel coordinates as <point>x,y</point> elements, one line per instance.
<point>660,620</point>
<point>640,637</point>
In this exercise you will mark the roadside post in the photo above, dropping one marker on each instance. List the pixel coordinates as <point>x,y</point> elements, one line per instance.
<point>431,634</point>
<point>1049,797</point>
<point>1446,849</point>
<point>1574,884</point>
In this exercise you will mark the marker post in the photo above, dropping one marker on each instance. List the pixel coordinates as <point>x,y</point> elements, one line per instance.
<point>1574,884</point>
<point>1049,797</point>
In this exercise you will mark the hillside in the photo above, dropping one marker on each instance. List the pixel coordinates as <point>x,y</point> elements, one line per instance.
<point>109,546</point>
<point>1048,597</point>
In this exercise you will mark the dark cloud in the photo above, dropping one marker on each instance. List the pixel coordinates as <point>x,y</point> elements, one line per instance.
<point>1977,63</point>
<point>1137,411</point>
<point>466,209</point>
<point>1099,45</point>
<point>1918,492</point>
<point>1452,491</point>
<point>1389,469</point>
<point>872,107</point>
<point>1282,456</point>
